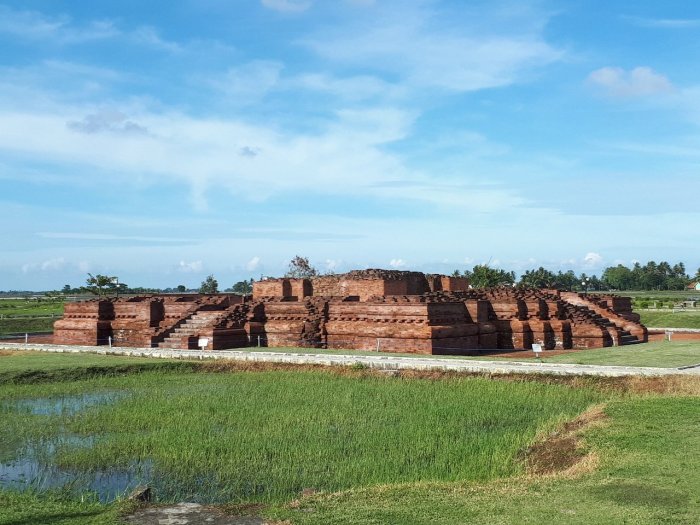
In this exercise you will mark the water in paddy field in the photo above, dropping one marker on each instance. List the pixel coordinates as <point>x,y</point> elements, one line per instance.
<point>32,466</point>
<point>46,406</point>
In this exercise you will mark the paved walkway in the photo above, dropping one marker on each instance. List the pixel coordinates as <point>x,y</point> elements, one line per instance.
<point>381,362</point>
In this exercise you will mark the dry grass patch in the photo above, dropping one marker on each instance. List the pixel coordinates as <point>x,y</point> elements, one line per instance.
<point>563,451</point>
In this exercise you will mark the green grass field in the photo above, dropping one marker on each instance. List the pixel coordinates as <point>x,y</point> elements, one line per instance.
<point>265,436</point>
<point>374,449</point>
<point>26,325</point>
<point>663,354</point>
<point>669,319</point>
<point>19,316</point>
<point>34,307</point>
<point>647,472</point>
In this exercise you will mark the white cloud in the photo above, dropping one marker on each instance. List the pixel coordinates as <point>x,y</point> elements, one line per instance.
<point>63,30</point>
<point>253,264</point>
<point>149,36</point>
<point>190,267</point>
<point>426,48</point>
<point>592,260</point>
<point>665,23</point>
<point>249,82</point>
<point>355,88</point>
<point>106,120</point>
<point>332,264</point>
<point>397,263</point>
<point>638,82</point>
<point>287,6</point>
<point>343,157</point>
<point>33,25</point>
<point>49,265</point>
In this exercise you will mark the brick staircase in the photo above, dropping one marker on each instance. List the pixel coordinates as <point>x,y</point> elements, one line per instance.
<point>185,335</point>
<point>607,318</point>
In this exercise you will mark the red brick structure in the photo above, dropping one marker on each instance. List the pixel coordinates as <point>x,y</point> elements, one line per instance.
<point>385,310</point>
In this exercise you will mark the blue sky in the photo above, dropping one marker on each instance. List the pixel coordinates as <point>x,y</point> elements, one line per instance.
<point>162,142</point>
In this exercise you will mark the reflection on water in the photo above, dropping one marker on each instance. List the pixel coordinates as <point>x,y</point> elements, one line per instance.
<point>67,405</point>
<point>33,466</point>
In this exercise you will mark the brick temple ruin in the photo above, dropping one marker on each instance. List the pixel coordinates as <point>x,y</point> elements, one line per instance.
<point>386,310</point>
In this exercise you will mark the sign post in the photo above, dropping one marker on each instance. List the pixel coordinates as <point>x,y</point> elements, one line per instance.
<point>203,343</point>
<point>537,348</point>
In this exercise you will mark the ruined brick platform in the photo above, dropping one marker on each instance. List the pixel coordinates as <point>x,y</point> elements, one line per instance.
<point>384,310</point>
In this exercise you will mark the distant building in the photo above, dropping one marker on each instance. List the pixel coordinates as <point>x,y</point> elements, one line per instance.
<point>694,286</point>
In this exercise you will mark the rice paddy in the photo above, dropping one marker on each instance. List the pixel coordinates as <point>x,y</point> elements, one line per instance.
<point>309,445</point>
<point>266,436</point>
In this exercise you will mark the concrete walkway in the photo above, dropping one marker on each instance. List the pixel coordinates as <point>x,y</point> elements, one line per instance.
<point>381,362</point>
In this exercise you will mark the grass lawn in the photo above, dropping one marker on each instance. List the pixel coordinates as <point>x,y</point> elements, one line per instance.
<point>679,295</point>
<point>363,447</point>
<point>663,354</point>
<point>668,319</point>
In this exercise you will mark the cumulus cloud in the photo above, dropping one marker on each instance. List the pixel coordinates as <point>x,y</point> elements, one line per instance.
<point>49,265</point>
<point>253,264</point>
<point>190,267</point>
<point>638,82</point>
<point>592,260</point>
<point>397,263</point>
<point>332,264</point>
<point>287,6</point>
<point>109,121</point>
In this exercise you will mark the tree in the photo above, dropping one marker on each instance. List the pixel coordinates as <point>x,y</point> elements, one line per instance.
<point>102,285</point>
<point>209,285</point>
<point>181,288</point>
<point>243,287</point>
<point>619,277</point>
<point>300,268</point>
<point>540,278</point>
<point>567,281</point>
<point>66,289</point>
<point>483,276</point>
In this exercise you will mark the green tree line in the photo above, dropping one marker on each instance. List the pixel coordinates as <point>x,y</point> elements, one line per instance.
<point>650,276</point>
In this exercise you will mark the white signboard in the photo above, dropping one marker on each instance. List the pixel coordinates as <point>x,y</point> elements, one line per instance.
<point>203,342</point>
<point>536,348</point>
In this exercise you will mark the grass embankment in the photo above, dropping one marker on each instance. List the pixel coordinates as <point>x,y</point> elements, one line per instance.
<point>35,367</point>
<point>26,325</point>
<point>669,319</point>
<point>377,449</point>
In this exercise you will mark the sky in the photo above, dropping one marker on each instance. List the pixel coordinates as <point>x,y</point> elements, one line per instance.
<point>165,141</point>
